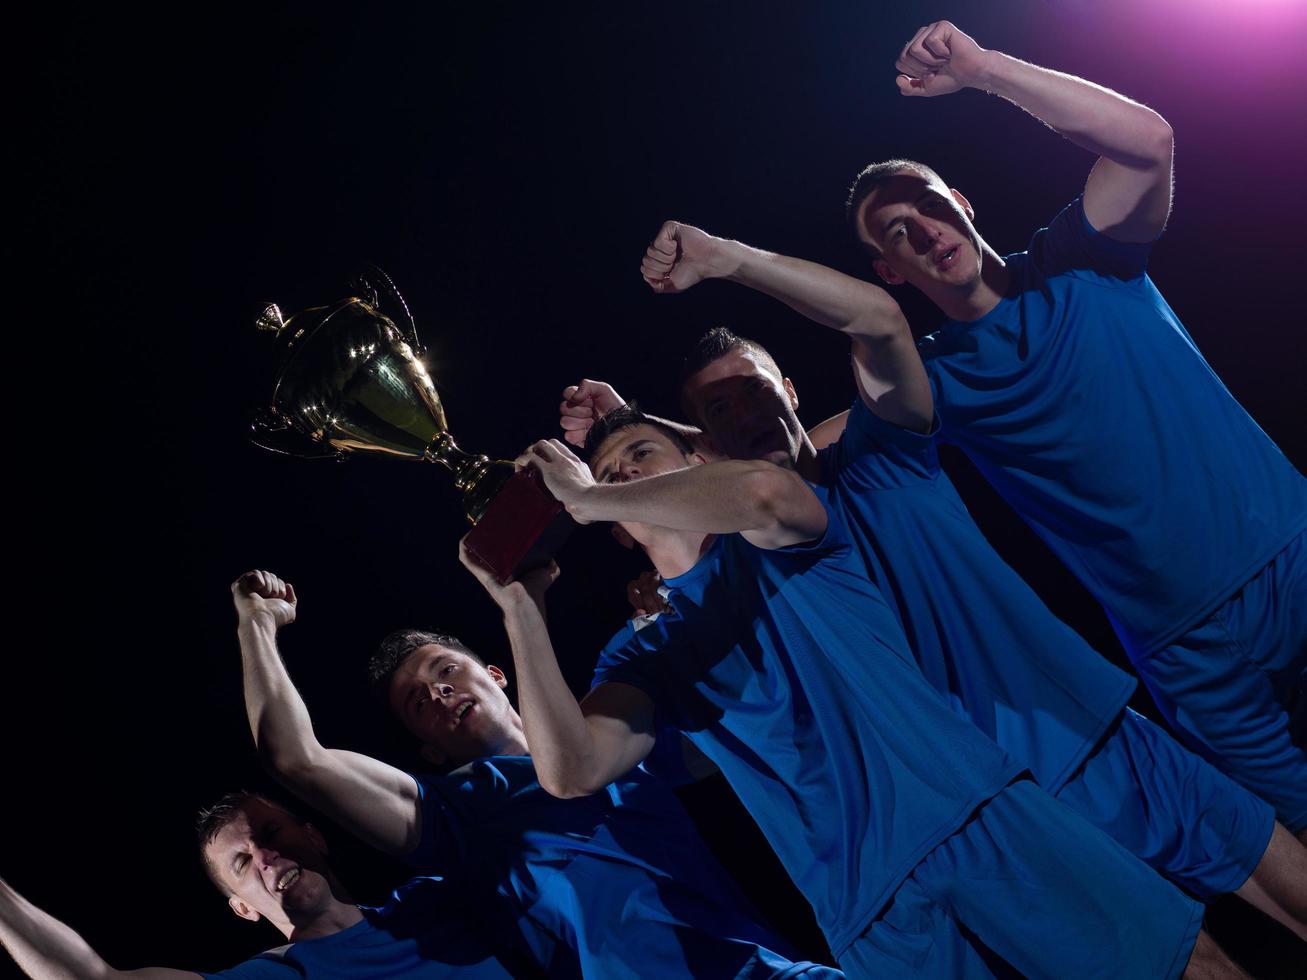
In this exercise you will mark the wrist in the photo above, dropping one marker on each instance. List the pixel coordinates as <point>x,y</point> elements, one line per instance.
<point>515,601</point>
<point>726,258</point>
<point>991,72</point>
<point>256,621</point>
<point>580,502</point>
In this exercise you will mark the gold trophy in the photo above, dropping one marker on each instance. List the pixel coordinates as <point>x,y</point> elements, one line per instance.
<point>352,381</point>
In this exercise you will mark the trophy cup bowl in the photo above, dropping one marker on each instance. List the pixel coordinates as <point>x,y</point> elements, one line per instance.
<point>352,382</point>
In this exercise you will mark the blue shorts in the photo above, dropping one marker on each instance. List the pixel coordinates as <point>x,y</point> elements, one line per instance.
<point>1170,809</point>
<point>1027,888</point>
<point>1233,687</point>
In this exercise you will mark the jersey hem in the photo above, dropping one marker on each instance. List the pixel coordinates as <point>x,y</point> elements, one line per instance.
<point>840,943</point>
<point>1141,647</point>
<point>1092,743</point>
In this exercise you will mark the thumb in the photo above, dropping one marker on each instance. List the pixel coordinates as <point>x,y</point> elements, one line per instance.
<point>668,237</point>
<point>910,86</point>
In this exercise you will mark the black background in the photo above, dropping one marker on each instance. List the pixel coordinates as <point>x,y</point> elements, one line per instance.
<point>507,165</point>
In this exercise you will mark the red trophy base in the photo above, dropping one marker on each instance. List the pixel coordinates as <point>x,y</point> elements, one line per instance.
<point>521,529</point>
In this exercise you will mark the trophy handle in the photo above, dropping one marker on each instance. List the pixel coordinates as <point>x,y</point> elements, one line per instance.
<point>374,282</point>
<point>276,435</point>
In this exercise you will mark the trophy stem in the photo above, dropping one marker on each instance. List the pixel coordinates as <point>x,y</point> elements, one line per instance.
<point>477,477</point>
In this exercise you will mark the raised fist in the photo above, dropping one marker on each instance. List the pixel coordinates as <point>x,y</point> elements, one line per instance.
<point>261,593</point>
<point>938,60</point>
<point>680,256</point>
<point>583,405</point>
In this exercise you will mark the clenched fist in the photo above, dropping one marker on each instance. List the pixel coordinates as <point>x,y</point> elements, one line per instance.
<point>260,594</point>
<point>940,59</point>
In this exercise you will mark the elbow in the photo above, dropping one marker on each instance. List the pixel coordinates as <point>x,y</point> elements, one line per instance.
<point>1161,141</point>
<point>767,488</point>
<point>567,786</point>
<point>290,765</point>
<point>880,328</point>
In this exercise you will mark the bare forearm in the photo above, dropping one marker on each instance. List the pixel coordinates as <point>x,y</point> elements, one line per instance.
<point>47,949</point>
<point>278,717</point>
<point>562,748</point>
<point>1091,116</point>
<point>716,498</point>
<point>823,295</point>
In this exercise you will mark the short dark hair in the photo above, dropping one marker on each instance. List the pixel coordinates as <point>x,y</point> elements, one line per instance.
<point>398,646</point>
<point>210,821</point>
<point>629,416</point>
<point>875,176</point>
<point>713,346</point>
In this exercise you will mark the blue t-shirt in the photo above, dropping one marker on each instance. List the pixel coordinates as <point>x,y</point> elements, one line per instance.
<point>788,671</point>
<point>617,884</point>
<point>1086,404</point>
<point>979,633</point>
<point>422,933</point>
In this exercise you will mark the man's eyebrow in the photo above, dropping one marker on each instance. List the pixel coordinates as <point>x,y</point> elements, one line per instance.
<point>928,192</point>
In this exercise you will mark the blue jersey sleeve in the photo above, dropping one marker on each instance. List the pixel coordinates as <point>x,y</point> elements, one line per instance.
<point>426,856</point>
<point>1071,245</point>
<point>637,657</point>
<point>875,455</point>
<point>265,966</point>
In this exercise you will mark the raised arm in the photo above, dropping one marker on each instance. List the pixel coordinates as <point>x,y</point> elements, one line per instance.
<point>375,801</point>
<point>575,752</point>
<point>581,408</point>
<point>1128,194</point>
<point>885,360</point>
<point>770,506</point>
<point>47,949</point>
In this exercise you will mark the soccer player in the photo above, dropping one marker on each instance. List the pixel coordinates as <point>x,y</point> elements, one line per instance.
<point>273,866</point>
<point>979,633</point>
<point>911,834</point>
<point>1071,384</point>
<point>616,885</point>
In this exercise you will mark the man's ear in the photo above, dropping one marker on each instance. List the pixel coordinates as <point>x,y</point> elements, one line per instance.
<point>242,909</point>
<point>696,459</point>
<point>622,536</point>
<point>497,675</point>
<point>789,390</point>
<point>963,203</point>
<point>704,444</point>
<point>887,275</point>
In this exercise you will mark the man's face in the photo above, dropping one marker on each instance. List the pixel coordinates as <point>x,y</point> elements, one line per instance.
<point>923,232</point>
<point>634,454</point>
<point>746,410</point>
<point>456,707</point>
<point>271,864</point>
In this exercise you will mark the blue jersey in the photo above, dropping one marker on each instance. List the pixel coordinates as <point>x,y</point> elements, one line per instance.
<point>1086,404</point>
<point>979,633</point>
<point>422,933</point>
<point>788,671</point>
<point>616,884</point>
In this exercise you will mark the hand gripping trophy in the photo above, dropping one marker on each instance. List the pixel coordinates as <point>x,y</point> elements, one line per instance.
<point>352,381</point>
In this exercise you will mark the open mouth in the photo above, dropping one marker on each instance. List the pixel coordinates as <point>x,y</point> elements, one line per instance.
<point>461,711</point>
<point>946,259</point>
<point>288,879</point>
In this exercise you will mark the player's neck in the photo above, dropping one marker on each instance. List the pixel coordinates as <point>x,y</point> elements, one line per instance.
<point>976,298</point>
<point>335,917</point>
<point>674,553</point>
<point>806,463</point>
<point>513,739</point>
